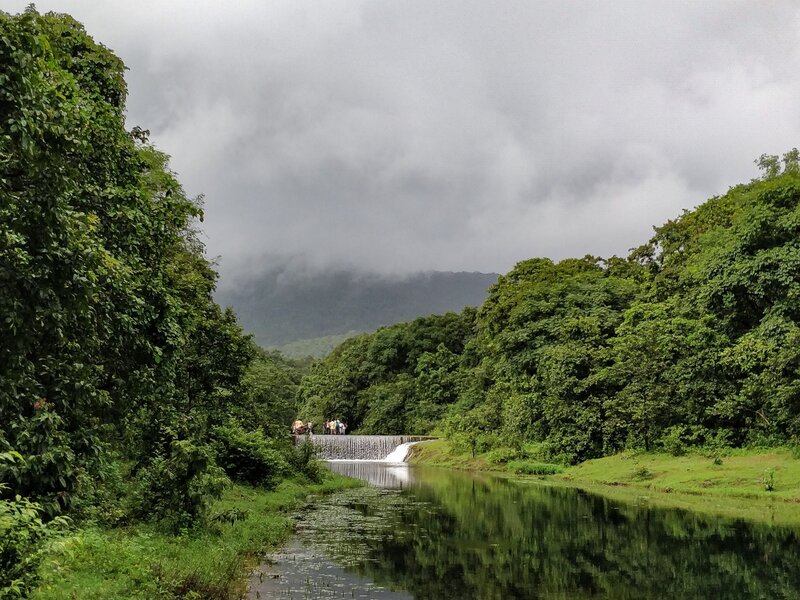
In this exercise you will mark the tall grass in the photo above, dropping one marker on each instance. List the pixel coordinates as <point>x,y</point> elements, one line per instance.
<point>210,562</point>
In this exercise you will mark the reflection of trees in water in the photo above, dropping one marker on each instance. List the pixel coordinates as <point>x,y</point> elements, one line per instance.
<point>462,538</point>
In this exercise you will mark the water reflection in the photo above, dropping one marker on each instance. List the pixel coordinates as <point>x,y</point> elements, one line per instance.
<point>439,535</point>
<point>302,570</point>
<point>381,475</point>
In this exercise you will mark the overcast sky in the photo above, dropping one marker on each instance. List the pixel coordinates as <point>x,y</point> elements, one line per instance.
<point>402,136</point>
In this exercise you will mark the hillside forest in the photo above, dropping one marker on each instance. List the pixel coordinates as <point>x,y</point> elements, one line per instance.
<point>691,340</point>
<point>127,393</point>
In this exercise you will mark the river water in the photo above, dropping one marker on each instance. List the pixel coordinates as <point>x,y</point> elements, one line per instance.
<point>435,534</point>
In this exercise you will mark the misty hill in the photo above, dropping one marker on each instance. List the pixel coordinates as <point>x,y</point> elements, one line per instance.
<point>280,307</point>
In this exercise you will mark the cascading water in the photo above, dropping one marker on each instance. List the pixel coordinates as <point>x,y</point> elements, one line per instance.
<point>363,447</point>
<point>399,454</point>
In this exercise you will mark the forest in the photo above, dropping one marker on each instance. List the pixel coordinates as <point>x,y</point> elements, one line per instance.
<point>127,393</point>
<point>692,340</point>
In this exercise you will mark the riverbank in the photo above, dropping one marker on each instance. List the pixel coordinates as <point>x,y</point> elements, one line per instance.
<point>211,562</point>
<point>760,485</point>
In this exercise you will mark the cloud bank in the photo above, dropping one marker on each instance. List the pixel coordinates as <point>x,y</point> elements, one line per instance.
<point>454,135</point>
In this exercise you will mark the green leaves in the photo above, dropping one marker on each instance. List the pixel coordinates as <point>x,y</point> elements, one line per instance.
<point>109,336</point>
<point>366,372</point>
<point>22,533</point>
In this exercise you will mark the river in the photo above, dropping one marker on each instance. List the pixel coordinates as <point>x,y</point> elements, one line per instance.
<point>421,533</point>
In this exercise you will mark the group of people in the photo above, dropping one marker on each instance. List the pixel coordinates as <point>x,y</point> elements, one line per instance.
<point>300,428</point>
<point>335,427</point>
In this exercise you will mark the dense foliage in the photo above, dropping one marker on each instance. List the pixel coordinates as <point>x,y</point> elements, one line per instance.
<point>377,382</point>
<point>691,340</point>
<point>125,390</point>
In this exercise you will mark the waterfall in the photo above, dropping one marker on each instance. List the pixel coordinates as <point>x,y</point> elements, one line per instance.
<point>399,454</point>
<point>362,447</point>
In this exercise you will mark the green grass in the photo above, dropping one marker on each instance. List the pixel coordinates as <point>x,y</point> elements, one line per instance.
<point>742,474</point>
<point>439,453</point>
<point>141,562</point>
<point>527,467</point>
<point>733,485</point>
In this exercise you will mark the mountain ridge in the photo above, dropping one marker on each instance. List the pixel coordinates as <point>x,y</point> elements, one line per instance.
<point>281,307</point>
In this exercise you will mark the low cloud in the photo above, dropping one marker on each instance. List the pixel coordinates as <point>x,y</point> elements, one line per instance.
<point>403,136</point>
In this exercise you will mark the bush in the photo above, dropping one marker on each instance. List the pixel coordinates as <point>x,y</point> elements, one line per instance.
<point>248,456</point>
<point>679,439</point>
<point>22,537</point>
<point>21,534</point>
<point>178,488</point>
<point>472,442</point>
<point>48,473</point>
<point>768,479</point>
<point>718,442</point>
<point>500,456</point>
<point>763,440</point>
<point>103,496</point>
<point>537,451</point>
<point>521,467</point>
<point>303,460</point>
<point>486,440</point>
<point>673,440</point>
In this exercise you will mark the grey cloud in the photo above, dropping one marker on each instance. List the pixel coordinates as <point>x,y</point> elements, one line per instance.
<point>397,136</point>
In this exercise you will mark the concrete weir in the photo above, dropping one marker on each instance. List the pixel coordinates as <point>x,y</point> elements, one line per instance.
<point>358,447</point>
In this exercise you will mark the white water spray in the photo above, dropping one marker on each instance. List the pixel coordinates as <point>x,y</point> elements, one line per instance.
<point>399,454</point>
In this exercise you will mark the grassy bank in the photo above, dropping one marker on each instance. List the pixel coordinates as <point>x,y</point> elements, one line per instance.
<point>141,562</point>
<point>761,485</point>
<point>771,473</point>
<point>439,453</point>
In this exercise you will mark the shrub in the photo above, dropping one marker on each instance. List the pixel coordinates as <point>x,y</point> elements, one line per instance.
<point>48,473</point>
<point>178,488</point>
<point>22,536</point>
<point>500,456</point>
<point>248,456</point>
<point>718,442</point>
<point>303,460</point>
<point>537,451</point>
<point>763,440</point>
<point>794,448</point>
<point>102,496</point>
<point>462,442</point>
<point>673,440</point>
<point>768,479</point>
<point>230,516</point>
<point>521,467</point>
